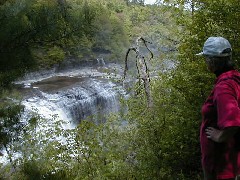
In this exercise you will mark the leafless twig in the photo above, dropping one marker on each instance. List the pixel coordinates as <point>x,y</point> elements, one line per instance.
<point>142,68</point>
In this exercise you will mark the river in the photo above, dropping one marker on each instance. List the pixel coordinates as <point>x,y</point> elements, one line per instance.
<point>73,94</point>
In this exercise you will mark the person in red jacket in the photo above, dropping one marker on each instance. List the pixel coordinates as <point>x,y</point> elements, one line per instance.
<point>220,132</point>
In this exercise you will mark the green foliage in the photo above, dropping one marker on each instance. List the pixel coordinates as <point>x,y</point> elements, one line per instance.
<point>38,33</point>
<point>167,135</point>
<point>212,18</point>
<point>160,143</point>
<point>25,24</point>
<point>116,5</point>
<point>47,57</point>
<point>89,151</point>
<point>149,144</point>
<point>56,54</point>
<point>83,47</point>
<point>110,36</point>
<point>190,78</point>
<point>10,123</point>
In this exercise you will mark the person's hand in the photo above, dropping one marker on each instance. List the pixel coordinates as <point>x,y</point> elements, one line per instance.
<point>214,134</point>
<point>221,135</point>
<point>237,177</point>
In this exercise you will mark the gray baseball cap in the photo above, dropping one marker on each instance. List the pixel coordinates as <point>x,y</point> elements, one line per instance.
<point>216,47</point>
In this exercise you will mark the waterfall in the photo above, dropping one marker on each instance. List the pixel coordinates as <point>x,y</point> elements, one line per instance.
<point>74,95</point>
<point>91,98</point>
<point>71,95</point>
<point>101,61</point>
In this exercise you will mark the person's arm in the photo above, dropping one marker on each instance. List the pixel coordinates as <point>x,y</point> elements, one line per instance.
<point>221,135</point>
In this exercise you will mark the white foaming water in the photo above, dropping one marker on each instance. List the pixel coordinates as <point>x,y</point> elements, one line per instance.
<point>80,100</point>
<point>47,109</point>
<point>86,99</point>
<point>97,94</point>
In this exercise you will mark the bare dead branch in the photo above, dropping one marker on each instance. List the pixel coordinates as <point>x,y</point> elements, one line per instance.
<point>126,59</point>
<point>145,43</point>
<point>142,68</point>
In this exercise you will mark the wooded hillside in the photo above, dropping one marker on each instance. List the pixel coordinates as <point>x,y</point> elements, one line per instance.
<point>157,143</point>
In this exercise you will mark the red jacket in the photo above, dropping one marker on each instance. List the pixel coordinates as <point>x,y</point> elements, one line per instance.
<point>221,110</point>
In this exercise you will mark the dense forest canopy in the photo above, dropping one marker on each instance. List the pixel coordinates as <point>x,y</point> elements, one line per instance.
<point>157,143</point>
<point>42,33</point>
